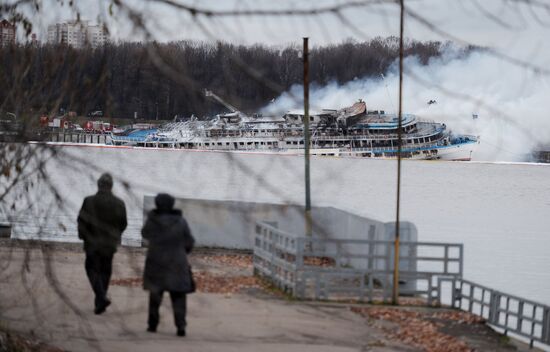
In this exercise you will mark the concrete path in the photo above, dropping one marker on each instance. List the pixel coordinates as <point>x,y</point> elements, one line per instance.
<point>47,294</point>
<point>44,293</point>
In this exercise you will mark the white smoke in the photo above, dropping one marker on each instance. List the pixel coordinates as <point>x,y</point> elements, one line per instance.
<point>512,103</point>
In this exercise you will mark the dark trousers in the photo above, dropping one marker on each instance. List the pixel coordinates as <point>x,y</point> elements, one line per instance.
<point>179,306</point>
<point>99,267</point>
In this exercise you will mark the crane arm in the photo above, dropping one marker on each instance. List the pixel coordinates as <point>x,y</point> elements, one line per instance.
<point>210,94</point>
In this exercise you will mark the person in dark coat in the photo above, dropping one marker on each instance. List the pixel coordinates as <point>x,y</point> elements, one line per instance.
<point>166,266</point>
<point>101,221</point>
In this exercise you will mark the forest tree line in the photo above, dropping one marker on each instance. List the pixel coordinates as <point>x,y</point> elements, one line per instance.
<point>164,80</point>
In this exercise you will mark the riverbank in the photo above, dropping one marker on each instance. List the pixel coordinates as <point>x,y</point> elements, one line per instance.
<point>44,294</point>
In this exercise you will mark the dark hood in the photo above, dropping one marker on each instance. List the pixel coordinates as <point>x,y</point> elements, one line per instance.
<point>164,202</point>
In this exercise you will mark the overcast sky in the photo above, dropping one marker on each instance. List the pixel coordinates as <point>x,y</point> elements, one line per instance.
<point>508,25</point>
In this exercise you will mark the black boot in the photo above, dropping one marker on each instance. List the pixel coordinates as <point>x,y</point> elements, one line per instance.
<point>102,306</point>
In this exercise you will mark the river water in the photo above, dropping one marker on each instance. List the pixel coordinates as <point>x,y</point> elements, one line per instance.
<point>501,212</point>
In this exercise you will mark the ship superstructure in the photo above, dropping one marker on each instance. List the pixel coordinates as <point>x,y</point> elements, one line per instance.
<point>353,131</point>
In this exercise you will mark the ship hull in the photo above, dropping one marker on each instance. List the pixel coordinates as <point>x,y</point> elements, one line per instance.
<point>456,152</point>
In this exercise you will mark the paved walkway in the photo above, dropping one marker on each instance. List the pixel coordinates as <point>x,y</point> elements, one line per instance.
<point>46,293</point>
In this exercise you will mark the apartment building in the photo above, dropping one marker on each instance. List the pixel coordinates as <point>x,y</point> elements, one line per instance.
<point>77,34</point>
<point>7,33</point>
<point>96,35</point>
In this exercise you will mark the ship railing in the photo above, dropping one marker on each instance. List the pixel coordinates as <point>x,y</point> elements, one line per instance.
<point>423,120</point>
<point>463,138</point>
<point>147,139</point>
<point>324,134</point>
<point>393,148</point>
<point>335,136</point>
<point>373,136</point>
<point>127,139</point>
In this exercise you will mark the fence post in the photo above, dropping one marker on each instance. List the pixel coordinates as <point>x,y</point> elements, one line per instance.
<point>546,326</point>
<point>494,305</point>
<point>299,274</point>
<point>371,263</point>
<point>520,316</point>
<point>471,299</point>
<point>300,245</point>
<point>271,246</point>
<point>446,259</point>
<point>430,290</point>
<point>461,262</point>
<point>453,292</point>
<point>457,293</point>
<point>439,289</point>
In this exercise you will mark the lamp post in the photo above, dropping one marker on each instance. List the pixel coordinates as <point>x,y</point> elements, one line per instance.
<point>395,289</point>
<point>306,139</point>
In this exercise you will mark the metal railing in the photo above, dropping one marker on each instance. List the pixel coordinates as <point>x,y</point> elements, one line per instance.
<point>362,270</point>
<point>513,314</point>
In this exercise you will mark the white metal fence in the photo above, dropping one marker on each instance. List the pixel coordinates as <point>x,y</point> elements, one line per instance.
<point>362,270</point>
<point>513,314</point>
<point>340,269</point>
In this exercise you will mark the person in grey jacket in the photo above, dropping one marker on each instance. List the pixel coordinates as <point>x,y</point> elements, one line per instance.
<point>101,221</point>
<point>166,265</point>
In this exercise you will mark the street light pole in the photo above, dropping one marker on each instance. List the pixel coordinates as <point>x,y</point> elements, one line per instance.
<point>306,139</point>
<point>395,289</point>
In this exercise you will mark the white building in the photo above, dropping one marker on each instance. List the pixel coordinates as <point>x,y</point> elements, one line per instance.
<point>77,34</point>
<point>7,33</point>
<point>97,36</point>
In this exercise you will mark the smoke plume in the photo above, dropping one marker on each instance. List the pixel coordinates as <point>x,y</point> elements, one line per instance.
<point>511,102</point>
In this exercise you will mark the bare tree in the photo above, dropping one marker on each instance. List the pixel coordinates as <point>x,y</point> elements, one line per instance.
<point>163,79</point>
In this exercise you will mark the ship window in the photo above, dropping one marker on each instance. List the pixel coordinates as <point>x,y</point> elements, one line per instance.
<point>241,143</point>
<point>207,144</point>
<point>301,142</point>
